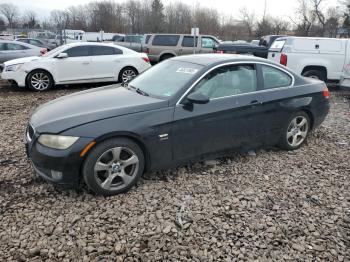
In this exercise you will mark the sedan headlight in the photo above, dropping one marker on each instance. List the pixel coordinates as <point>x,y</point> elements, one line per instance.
<point>57,142</point>
<point>12,68</point>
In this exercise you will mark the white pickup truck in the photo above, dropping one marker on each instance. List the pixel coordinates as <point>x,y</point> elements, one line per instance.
<point>326,59</point>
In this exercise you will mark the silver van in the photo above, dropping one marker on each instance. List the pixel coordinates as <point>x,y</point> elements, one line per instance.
<point>163,46</point>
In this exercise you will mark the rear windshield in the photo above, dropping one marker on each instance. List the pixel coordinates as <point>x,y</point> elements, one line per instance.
<point>166,78</point>
<point>166,40</point>
<point>277,46</point>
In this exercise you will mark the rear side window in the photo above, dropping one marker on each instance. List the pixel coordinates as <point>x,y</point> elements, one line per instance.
<point>274,77</point>
<point>105,50</point>
<point>188,41</point>
<point>166,40</point>
<point>78,51</point>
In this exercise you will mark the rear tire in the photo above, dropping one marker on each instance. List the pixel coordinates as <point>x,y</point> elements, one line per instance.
<point>295,131</point>
<point>113,166</point>
<point>316,74</point>
<point>39,80</point>
<point>127,74</point>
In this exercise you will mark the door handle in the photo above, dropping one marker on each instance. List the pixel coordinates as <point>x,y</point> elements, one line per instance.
<point>86,63</point>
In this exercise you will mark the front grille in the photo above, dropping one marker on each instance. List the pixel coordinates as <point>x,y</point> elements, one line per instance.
<point>30,133</point>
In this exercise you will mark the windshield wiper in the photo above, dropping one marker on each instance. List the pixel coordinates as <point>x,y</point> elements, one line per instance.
<point>139,91</point>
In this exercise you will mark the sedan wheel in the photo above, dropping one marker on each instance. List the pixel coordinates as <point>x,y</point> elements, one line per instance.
<point>113,167</point>
<point>296,132</point>
<point>39,81</point>
<point>127,74</point>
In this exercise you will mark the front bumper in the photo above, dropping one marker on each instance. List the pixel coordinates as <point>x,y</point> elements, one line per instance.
<point>48,162</point>
<point>18,76</point>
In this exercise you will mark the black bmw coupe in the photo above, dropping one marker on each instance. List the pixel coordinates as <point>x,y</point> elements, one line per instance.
<point>184,109</point>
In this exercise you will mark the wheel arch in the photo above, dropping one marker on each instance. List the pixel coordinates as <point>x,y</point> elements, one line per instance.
<point>128,135</point>
<point>171,54</point>
<point>310,115</point>
<point>125,67</point>
<point>41,69</point>
<point>321,68</point>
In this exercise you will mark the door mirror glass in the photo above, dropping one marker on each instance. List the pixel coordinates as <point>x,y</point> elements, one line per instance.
<point>197,98</point>
<point>62,55</point>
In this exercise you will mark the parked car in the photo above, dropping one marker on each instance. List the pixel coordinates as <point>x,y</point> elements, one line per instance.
<point>255,42</point>
<point>316,57</point>
<point>183,109</point>
<point>12,49</point>
<point>163,46</point>
<point>37,42</point>
<point>260,50</point>
<point>76,63</point>
<point>133,42</point>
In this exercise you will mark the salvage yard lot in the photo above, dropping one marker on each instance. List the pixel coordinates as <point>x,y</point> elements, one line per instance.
<point>273,205</point>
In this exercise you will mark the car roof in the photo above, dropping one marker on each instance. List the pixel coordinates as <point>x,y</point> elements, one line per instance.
<point>207,59</point>
<point>99,44</point>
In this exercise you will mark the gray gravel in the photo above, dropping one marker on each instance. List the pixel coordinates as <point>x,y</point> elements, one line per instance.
<point>271,205</point>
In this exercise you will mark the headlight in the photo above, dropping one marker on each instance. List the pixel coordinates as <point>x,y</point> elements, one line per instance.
<point>57,142</point>
<point>13,67</point>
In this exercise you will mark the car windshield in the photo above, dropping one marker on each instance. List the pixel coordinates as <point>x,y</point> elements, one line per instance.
<point>54,51</point>
<point>166,79</point>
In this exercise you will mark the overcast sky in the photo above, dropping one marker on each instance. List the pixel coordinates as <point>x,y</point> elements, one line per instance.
<point>279,8</point>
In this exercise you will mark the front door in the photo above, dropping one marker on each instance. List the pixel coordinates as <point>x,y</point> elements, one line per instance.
<point>76,67</point>
<point>225,122</point>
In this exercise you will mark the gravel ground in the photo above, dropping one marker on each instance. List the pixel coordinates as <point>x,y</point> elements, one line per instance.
<point>272,205</point>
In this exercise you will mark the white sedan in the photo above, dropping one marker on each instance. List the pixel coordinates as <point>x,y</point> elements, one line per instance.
<point>76,63</point>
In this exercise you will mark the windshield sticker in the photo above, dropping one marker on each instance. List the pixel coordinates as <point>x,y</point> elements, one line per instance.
<point>187,70</point>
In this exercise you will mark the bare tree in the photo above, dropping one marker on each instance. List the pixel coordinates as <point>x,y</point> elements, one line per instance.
<point>319,14</point>
<point>306,18</point>
<point>10,12</point>
<point>30,19</point>
<point>60,18</point>
<point>248,19</point>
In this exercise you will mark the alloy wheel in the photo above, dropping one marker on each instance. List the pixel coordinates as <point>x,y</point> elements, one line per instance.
<point>297,131</point>
<point>40,81</point>
<point>116,168</point>
<point>128,75</point>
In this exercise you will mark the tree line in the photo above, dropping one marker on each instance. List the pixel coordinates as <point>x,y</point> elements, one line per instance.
<point>152,16</point>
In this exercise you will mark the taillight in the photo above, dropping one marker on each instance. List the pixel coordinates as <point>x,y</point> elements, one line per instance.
<point>219,52</point>
<point>326,93</point>
<point>283,59</point>
<point>43,51</point>
<point>146,59</point>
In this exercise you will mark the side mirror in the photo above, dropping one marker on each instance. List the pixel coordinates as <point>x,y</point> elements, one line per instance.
<point>197,98</point>
<point>62,55</point>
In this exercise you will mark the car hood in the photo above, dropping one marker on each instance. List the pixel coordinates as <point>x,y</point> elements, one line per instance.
<point>89,106</point>
<point>22,60</point>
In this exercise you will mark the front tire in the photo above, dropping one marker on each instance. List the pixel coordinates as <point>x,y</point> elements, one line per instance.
<point>39,80</point>
<point>113,166</point>
<point>295,131</point>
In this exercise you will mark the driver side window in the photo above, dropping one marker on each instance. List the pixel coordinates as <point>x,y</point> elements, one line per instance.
<point>228,81</point>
